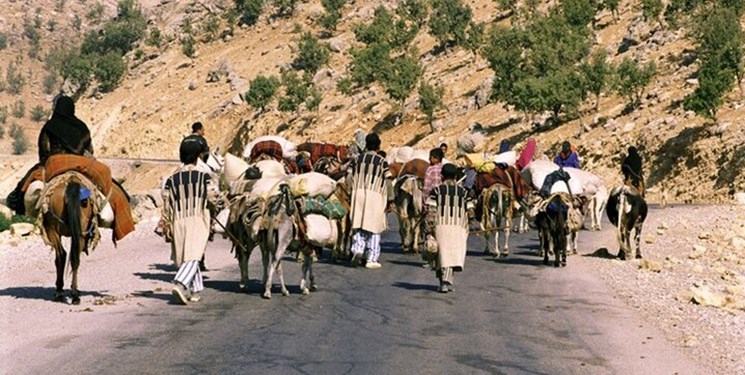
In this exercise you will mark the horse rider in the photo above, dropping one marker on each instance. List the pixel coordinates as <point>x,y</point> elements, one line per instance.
<point>567,157</point>
<point>633,174</point>
<point>370,184</point>
<point>64,144</point>
<point>447,221</point>
<point>188,196</point>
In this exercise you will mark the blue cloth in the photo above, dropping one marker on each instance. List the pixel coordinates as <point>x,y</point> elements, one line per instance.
<point>470,180</point>
<point>84,193</point>
<point>571,161</point>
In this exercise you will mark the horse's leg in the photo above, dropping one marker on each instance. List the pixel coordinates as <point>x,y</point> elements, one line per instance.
<point>305,270</point>
<point>312,278</point>
<point>417,232</point>
<point>637,238</point>
<point>243,265</point>
<point>282,286</point>
<point>507,226</point>
<point>283,242</point>
<point>60,259</point>
<point>268,269</point>
<point>75,264</point>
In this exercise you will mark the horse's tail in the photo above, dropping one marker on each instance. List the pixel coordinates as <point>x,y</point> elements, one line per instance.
<point>73,222</point>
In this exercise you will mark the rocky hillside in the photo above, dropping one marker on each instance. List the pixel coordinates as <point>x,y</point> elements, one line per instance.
<point>165,91</point>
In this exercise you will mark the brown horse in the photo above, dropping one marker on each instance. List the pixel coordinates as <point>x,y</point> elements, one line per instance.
<point>69,215</point>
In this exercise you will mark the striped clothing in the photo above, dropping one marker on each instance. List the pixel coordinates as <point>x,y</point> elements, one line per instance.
<point>451,224</point>
<point>186,195</point>
<point>370,179</point>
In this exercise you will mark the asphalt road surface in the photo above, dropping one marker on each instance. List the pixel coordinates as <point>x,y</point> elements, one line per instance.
<point>507,316</point>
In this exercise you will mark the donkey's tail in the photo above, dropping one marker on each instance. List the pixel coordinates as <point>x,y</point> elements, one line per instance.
<point>73,222</point>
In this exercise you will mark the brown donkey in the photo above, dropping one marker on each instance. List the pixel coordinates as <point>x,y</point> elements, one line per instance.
<point>70,214</point>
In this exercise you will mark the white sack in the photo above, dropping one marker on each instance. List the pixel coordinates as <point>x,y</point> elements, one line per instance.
<point>590,182</point>
<point>404,154</point>
<point>421,155</point>
<point>537,171</point>
<point>266,187</point>
<point>509,158</point>
<point>312,184</point>
<point>288,148</point>
<point>222,218</point>
<point>390,157</point>
<point>235,167</point>
<point>320,231</point>
<point>271,168</point>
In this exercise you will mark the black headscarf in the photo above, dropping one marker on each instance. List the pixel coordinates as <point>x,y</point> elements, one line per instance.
<point>632,164</point>
<point>66,130</point>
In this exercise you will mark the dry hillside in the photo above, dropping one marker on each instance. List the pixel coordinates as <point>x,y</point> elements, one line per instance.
<point>165,91</point>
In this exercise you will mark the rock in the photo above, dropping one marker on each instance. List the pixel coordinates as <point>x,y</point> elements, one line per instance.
<point>470,143</point>
<point>662,225</point>
<point>660,232</point>
<point>193,85</point>
<point>237,100</point>
<point>705,297</point>
<point>337,44</point>
<point>649,240</point>
<point>736,290</point>
<point>740,198</point>
<point>21,229</point>
<point>698,252</point>
<point>4,210</point>
<point>484,92</point>
<point>649,265</point>
<point>684,295</point>
<point>721,129</point>
<point>737,243</point>
<point>690,341</point>
<point>704,236</point>
<point>629,127</point>
<point>692,82</point>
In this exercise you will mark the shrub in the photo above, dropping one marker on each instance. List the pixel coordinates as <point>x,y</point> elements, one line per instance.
<point>78,69</point>
<point>19,109</point>
<point>312,55</point>
<point>3,41</point>
<point>284,8</point>
<point>250,10</point>
<point>188,46</point>
<point>13,79</point>
<point>261,91</point>
<point>332,13</point>
<point>95,14</point>
<point>449,21</point>
<point>415,11</point>
<point>296,91</point>
<point>38,113</point>
<point>109,70</point>
<point>651,9</point>
<point>211,26</point>
<point>402,77</point>
<point>20,141</point>
<point>2,131</point>
<point>155,38</point>
<point>3,114</point>
<point>430,100</point>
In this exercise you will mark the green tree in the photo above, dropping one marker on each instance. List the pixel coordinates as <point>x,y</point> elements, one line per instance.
<point>578,13</point>
<point>651,9</point>
<point>296,91</point>
<point>109,70</point>
<point>20,141</point>
<point>402,77</point>
<point>596,74</point>
<point>449,21</point>
<point>312,54</point>
<point>508,5</point>
<point>38,113</point>
<point>713,83</point>
<point>368,64</point>
<point>632,79</point>
<point>78,69</point>
<point>155,37</point>
<point>95,14</point>
<point>332,13</point>
<point>386,29</point>
<point>503,51</point>
<point>250,10</point>
<point>612,6</point>
<point>415,11</point>
<point>261,91</point>
<point>430,101</point>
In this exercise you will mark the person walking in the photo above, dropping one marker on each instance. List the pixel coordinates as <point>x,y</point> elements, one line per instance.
<point>433,174</point>
<point>185,221</point>
<point>370,179</point>
<point>197,135</point>
<point>448,222</point>
<point>567,157</point>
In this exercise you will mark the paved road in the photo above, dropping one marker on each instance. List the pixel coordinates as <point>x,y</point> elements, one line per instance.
<point>511,316</point>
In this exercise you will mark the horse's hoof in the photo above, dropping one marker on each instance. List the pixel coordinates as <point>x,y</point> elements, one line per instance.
<point>266,295</point>
<point>563,264</point>
<point>638,256</point>
<point>59,297</point>
<point>75,300</point>
<point>306,291</point>
<point>285,293</point>
<point>313,287</point>
<point>545,262</point>
<point>556,264</point>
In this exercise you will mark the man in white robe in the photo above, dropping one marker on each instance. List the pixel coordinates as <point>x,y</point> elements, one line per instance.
<point>186,220</point>
<point>448,218</point>
<point>370,178</point>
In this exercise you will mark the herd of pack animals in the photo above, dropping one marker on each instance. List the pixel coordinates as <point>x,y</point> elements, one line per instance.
<point>272,218</point>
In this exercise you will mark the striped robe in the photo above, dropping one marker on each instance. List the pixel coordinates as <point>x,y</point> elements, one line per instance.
<point>369,193</point>
<point>451,224</point>
<point>185,197</point>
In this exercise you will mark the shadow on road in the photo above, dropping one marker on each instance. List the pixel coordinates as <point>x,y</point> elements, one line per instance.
<point>411,263</point>
<point>42,293</point>
<point>410,286</point>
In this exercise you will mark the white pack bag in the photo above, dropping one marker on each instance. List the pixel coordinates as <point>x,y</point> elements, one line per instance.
<point>271,168</point>
<point>320,231</point>
<point>288,148</point>
<point>312,184</point>
<point>235,167</point>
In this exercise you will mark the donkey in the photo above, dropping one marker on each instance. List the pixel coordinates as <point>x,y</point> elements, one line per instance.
<point>552,228</point>
<point>497,210</point>
<point>277,236</point>
<point>627,210</point>
<point>409,207</point>
<point>70,214</point>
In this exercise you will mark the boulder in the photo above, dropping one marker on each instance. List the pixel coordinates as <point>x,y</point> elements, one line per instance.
<point>21,229</point>
<point>698,252</point>
<point>706,297</point>
<point>649,265</point>
<point>4,210</point>
<point>740,198</point>
<point>737,243</point>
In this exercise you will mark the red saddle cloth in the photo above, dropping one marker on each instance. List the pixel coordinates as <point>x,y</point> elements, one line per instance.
<point>322,150</point>
<point>271,149</point>
<point>509,177</point>
<point>100,175</point>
